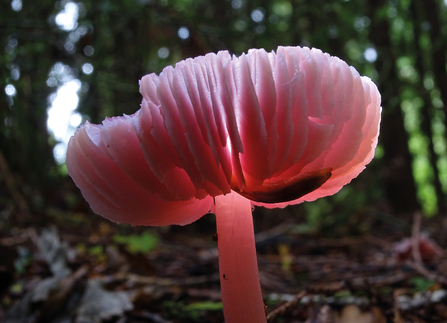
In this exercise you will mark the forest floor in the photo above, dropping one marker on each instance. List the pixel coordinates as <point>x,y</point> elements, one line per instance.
<point>75,267</point>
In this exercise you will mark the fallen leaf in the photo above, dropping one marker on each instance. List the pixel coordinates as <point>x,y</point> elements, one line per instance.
<point>98,304</point>
<point>353,314</point>
<point>54,252</point>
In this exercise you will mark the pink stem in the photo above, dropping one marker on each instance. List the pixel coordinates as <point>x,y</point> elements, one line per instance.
<point>238,266</point>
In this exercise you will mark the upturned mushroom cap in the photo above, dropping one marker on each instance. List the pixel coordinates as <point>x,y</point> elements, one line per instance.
<point>278,128</point>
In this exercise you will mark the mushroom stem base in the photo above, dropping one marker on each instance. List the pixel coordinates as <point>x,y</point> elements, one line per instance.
<point>238,266</point>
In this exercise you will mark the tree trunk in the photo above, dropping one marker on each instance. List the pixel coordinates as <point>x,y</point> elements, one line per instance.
<point>427,108</point>
<point>439,49</point>
<point>398,175</point>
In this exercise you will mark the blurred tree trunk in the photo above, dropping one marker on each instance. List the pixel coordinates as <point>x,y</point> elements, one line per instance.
<point>28,47</point>
<point>439,48</point>
<point>427,108</point>
<point>400,188</point>
<point>24,138</point>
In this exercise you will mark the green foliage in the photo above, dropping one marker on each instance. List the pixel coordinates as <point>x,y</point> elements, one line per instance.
<point>143,243</point>
<point>97,250</point>
<point>204,306</point>
<point>179,310</point>
<point>282,9</point>
<point>334,212</point>
<point>422,284</point>
<point>25,257</point>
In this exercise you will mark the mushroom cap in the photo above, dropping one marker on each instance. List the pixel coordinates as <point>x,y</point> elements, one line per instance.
<point>262,124</point>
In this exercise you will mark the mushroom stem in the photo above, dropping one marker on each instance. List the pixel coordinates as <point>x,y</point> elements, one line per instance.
<point>238,266</point>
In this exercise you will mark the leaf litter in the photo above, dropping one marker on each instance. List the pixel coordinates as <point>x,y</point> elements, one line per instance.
<point>108,273</point>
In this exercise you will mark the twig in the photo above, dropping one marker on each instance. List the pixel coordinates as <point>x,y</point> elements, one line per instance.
<point>11,241</point>
<point>341,242</point>
<point>284,307</point>
<point>414,318</point>
<point>379,242</point>
<point>151,280</point>
<point>417,263</point>
<point>273,232</point>
<point>427,273</point>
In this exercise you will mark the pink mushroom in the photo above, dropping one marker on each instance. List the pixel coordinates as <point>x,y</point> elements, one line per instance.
<point>222,133</point>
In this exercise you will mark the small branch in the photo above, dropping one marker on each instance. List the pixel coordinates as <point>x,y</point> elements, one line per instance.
<point>157,281</point>
<point>273,232</point>
<point>427,273</point>
<point>284,307</point>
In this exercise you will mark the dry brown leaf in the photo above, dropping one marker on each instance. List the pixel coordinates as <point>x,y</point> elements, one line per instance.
<point>353,314</point>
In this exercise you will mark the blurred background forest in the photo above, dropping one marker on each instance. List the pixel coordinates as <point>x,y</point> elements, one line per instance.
<point>64,62</point>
